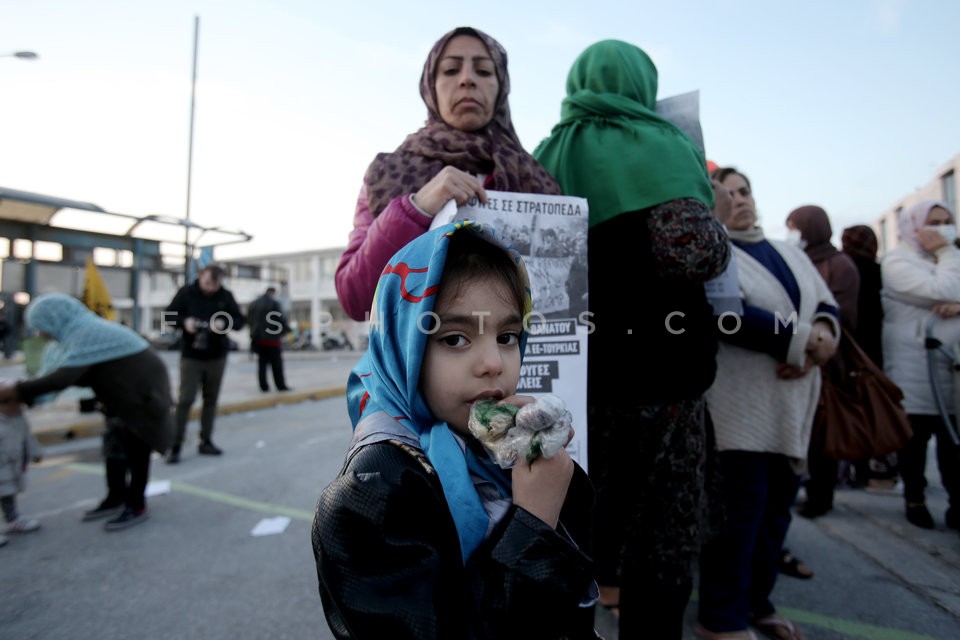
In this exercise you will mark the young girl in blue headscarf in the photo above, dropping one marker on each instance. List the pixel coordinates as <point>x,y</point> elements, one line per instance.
<point>422,535</point>
<point>131,385</point>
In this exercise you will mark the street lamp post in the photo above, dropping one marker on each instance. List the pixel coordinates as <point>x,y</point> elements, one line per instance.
<point>187,248</point>
<point>26,55</point>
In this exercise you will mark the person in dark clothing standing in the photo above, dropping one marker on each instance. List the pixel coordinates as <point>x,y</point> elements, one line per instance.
<point>654,205</point>
<point>843,279</point>
<point>860,243</point>
<point>206,312</point>
<point>267,328</point>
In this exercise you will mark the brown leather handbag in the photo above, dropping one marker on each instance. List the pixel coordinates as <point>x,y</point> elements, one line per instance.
<point>862,409</point>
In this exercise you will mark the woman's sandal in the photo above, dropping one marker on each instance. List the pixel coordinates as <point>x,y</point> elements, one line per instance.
<point>706,634</point>
<point>794,567</point>
<point>777,627</point>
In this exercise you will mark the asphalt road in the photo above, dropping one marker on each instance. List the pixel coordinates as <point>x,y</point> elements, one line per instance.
<point>194,569</point>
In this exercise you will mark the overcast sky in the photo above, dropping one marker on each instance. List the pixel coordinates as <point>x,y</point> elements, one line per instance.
<point>849,105</point>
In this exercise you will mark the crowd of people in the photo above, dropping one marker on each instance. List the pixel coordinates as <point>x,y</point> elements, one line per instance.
<point>700,441</point>
<point>698,450</point>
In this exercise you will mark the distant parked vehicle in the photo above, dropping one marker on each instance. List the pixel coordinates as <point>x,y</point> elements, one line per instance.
<point>332,343</point>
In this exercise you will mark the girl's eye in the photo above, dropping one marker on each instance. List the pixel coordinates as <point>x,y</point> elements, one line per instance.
<point>508,339</point>
<point>454,340</point>
<point>485,72</point>
<point>450,71</point>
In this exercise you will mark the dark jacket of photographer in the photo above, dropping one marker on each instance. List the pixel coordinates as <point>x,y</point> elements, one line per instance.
<point>206,343</point>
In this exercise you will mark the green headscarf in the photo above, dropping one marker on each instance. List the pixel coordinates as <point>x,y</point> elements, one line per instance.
<point>610,147</point>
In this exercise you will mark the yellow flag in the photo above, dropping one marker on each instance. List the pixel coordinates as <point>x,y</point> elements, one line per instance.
<point>95,293</point>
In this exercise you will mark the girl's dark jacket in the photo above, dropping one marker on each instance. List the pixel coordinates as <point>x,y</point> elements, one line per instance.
<point>390,566</point>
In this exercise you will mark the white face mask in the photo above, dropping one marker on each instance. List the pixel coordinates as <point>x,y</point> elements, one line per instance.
<point>948,231</point>
<point>794,238</point>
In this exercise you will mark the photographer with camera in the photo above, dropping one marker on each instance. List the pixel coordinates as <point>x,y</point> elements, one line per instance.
<point>206,312</point>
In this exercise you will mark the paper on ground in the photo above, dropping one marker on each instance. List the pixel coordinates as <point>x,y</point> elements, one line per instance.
<point>271,526</point>
<point>157,488</point>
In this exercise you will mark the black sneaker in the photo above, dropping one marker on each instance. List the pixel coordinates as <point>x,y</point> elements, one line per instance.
<point>104,510</point>
<point>174,456</point>
<point>209,449</point>
<point>128,518</point>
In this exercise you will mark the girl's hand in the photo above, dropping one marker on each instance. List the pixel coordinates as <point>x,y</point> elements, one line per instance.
<point>450,184</point>
<point>541,486</point>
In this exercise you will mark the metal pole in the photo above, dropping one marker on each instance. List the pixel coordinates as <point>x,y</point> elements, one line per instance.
<point>187,250</point>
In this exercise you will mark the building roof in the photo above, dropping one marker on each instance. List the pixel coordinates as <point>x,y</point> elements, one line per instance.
<point>36,208</point>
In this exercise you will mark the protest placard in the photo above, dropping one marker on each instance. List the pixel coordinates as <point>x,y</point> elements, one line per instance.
<point>550,232</point>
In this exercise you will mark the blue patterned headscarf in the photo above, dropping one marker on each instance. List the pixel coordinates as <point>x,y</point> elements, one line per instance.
<point>386,380</point>
<point>83,338</point>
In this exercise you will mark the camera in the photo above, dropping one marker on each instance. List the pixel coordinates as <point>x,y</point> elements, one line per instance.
<point>201,338</point>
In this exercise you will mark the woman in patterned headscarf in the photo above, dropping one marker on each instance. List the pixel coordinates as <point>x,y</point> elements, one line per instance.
<point>131,385</point>
<point>467,145</point>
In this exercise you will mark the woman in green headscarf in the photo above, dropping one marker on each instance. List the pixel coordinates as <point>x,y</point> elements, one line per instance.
<point>652,244</point>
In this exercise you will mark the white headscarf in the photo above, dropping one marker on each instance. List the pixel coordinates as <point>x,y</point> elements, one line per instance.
<point>915,217</point>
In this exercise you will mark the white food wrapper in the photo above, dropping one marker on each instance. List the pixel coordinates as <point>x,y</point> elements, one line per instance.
<point>539,429</point>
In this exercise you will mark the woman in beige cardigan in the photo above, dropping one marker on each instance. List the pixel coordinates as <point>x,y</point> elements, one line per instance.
<point>762,404</point>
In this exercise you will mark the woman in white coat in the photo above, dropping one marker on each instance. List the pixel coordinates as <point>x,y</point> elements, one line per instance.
<point>921,284</point>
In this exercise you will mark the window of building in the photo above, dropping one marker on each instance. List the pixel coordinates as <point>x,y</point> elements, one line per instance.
<point>330,265</point>
<point>52,251</point>
<point>22,249</point>
<point>248,271</point>
<point>104,257</point>
<point>948,182</point>
<point>883,235</point>
<point>307,265</point>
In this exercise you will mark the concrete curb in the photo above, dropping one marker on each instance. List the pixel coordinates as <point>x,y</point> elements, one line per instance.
<point>93,427</point>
